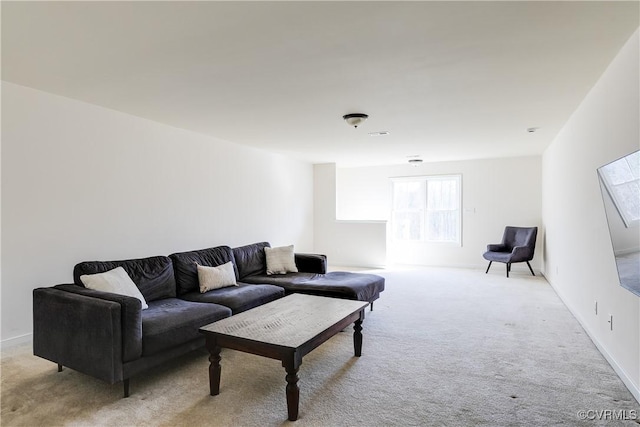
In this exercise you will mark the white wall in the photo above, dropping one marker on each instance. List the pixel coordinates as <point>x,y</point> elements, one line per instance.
<point>495,193</point>
<point>346,243</point>
<point>81,182</point>
<point>579,261</point>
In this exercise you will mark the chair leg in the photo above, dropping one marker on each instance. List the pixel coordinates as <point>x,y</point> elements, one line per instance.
<point>59,367</point>
<point>371,306</point>
<point>508,268</point>
<point>488,267</point>
<point>126,387</point>
<point>530,269</point>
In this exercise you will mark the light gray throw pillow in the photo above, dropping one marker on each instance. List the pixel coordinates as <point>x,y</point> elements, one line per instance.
<point>116,281</point>
<point>280,260</point>
<point>211,278</point>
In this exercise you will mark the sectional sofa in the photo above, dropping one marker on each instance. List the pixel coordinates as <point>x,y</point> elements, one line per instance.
<point>111,337</point>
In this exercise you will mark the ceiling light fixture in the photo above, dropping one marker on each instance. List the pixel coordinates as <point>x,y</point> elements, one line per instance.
<point>380,133</point>
<point>354,119</point>
<point>532,130</point>
<point>415,162</point>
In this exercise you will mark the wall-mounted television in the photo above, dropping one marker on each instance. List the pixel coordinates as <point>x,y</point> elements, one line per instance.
<point>620,185</point>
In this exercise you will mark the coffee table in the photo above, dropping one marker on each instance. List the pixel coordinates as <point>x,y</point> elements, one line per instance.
<point>286,329</point>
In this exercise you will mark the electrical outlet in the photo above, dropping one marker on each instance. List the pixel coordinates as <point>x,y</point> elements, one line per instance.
<point>610,322</point>
<point>596,307</point>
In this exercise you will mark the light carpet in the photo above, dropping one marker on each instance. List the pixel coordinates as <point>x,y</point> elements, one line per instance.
<point>443,347</point>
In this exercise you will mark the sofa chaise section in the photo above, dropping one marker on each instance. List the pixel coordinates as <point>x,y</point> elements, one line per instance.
<point>312,277</point>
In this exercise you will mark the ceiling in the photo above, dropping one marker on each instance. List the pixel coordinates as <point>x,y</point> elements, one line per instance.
<point>448,80</point>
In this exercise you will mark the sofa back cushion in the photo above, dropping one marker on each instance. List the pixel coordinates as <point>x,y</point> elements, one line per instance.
<point>250,259</point>
<point>186,270</point>
<point>153,276</point>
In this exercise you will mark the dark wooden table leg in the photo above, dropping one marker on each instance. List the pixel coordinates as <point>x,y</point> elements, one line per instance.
<point>214,367</point>
<point>293,391</point>
<point>357,335</point>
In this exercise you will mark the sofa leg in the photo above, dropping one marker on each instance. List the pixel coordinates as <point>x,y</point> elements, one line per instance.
<point>530,269</point>
<point>126,387</point>
<point>508,268</point>
<point>59,367</point>
<point>488,267</point>
<point>371,306</point>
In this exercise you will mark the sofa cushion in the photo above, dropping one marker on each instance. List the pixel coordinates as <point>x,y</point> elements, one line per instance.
<point>153,276</point>
<point>186,271</point>
<point>358,286</point>
<point>338,284</point>
<point>282,280</point>
<point>238,298</point>
<point>171,321</point>
<point>250,259</point>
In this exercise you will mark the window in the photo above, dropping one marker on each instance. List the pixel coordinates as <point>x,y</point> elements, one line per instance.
<point>622,180</point>
<point>408,210</point>
<point>426,208</point>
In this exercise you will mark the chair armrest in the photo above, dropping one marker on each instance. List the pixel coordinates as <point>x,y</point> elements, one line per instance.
<point>498,247</point>
<point>521,253</point>
<point>83,329</point>
<point>311,263</point>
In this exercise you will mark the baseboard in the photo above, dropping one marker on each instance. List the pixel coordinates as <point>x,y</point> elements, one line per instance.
<point>623,252</point>
<point>628,251</point>
<point>15,341</point>
<point>626,379</point>
<point>413,266</point>
<point>354,268</point>
<point>633,388</point>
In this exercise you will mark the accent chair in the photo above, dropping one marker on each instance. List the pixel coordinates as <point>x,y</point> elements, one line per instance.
<point>518,245</point>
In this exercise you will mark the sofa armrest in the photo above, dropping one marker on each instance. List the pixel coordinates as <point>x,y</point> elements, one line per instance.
<point>311,263</point>
<point>78,331</point>
<point>131,318</point>
<point>82,331</point>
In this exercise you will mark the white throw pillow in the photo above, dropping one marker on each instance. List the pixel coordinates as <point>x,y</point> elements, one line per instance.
<point>116,281</point>
<point>280,260</point>
<point>216,277</point>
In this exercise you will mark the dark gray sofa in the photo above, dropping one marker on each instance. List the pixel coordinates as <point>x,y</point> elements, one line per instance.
<point>110,337</point>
